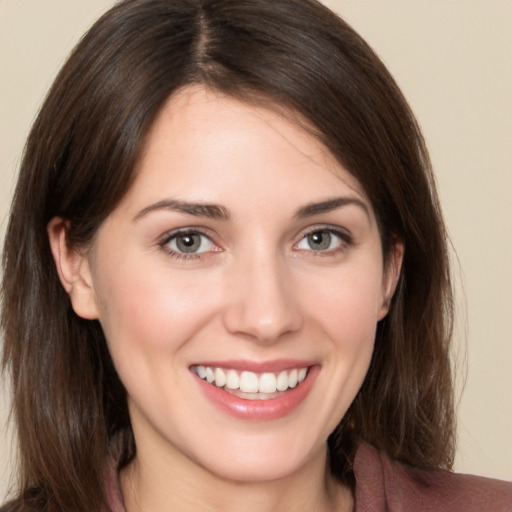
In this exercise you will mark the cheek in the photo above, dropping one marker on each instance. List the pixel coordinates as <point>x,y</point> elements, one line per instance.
<point>348,303</point>
<point>344,308</point>
<point>148,313</point>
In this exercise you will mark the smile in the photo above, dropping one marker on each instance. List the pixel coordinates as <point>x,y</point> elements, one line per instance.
<point>253,391</point>
<point>251,385</point>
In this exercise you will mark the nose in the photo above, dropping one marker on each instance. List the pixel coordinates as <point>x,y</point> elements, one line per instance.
<point>262,304</point>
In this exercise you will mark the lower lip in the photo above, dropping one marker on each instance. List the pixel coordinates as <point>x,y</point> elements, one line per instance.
<point>269,409</point>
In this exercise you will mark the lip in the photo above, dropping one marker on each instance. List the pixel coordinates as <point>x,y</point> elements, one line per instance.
<point>259,410</point>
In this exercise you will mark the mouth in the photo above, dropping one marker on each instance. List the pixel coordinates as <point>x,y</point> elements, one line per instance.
<point>256,391</point>
<point>251,385</point>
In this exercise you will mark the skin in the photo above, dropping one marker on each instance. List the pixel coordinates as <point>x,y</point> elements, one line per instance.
<point>257,290</point>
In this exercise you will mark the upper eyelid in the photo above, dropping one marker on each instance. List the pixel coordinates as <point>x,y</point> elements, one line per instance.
<point>169,235</point>
<point>341,231</point>
<point>344,232</point>
<point>346,240</point>
<point>165,240</point>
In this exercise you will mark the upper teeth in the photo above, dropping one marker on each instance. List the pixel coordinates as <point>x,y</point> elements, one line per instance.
<point>250,382</point>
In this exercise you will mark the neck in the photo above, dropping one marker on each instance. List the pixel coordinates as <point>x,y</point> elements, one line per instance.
<point>149,485</point>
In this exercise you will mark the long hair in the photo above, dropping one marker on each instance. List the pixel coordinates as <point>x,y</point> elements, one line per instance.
<point>80,159</point>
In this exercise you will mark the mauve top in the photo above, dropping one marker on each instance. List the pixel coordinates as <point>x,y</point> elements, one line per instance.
<point>385,485</point>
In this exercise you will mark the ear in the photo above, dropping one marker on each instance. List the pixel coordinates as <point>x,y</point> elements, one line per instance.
<point>391,275</point>
<point>73,268</point>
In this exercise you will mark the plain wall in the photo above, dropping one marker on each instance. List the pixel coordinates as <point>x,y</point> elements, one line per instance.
<point>452,60</point>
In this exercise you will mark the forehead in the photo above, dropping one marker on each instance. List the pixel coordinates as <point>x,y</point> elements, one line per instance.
<point>206,143</point>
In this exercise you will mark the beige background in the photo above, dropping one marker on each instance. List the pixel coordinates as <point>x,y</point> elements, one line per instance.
<point>452,59</point>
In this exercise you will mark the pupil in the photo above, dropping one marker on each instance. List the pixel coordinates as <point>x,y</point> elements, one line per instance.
<point>319,240</point>
<point>188,243</point>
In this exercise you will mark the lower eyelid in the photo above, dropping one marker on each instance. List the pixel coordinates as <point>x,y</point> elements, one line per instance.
<point>164,244</point>
<point>209,243</point>
<point>345,238</point>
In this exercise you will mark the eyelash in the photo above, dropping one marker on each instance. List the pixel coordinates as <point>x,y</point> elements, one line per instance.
<point>346,241</point>
<point>345,238</point>
<point>182,256</point>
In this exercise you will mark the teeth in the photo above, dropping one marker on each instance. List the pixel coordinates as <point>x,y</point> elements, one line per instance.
<point>220,378</point>
<point>232,380</point>
<point>250,382</point>
<point>210,376</point>
<point>268,383</point>
<point>292,378</point>
<point>282,381</point>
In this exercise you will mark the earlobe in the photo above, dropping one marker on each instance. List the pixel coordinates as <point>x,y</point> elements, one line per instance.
<point>392,275</point>
<point>73,268</point>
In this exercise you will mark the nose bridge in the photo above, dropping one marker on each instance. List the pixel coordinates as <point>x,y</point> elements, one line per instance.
<point>261,303</point>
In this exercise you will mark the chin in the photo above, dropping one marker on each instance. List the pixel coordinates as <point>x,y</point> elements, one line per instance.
<point>258,471</point>
<point>259,460</point>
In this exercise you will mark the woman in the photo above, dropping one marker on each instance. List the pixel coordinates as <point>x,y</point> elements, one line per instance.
<point>226,281</point>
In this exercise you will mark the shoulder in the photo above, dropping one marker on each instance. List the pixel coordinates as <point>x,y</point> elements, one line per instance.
<point>384,484</point>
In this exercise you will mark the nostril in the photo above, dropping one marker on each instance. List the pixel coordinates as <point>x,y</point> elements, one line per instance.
<point>264,326</point>
<point>262,303</point>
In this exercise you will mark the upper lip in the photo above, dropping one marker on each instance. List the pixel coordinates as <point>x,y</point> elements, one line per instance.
<point>276,365</point>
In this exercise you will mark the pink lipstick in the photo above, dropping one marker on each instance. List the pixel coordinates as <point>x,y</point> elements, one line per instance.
<point>256,391</point>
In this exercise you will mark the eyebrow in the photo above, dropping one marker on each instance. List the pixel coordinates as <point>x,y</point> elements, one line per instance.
<point>212,211</point>
<point>329,205</point>
<point>217,212</point>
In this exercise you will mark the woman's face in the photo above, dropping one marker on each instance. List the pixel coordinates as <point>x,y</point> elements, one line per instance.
<point>238,283</point>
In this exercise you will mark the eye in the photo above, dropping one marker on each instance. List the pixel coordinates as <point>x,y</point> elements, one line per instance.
<point>322,240</point>
<point>189,242</point>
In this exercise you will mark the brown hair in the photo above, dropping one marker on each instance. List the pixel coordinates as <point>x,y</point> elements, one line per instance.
<point>68,402</point>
